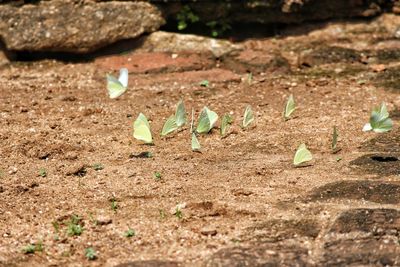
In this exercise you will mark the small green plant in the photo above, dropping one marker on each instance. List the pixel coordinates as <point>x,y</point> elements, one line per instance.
<point>157,176</point>
<point>185,16</point>
<point>29,249</point>
<point>98,166</point>
<point>114,204</point>
<point>90,254</point>
<point>56,226</point>
<point>130,233</point>
<point>74,226</point>
<point>204,83</point>
<point>32,248</point>
<point>162,214</point>
<point>42,172</point>
<point>178,212</point>
<point>218,28</point>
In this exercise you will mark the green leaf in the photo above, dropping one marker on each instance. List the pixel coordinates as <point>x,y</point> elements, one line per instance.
<point>195,143</point>
<point>225,123</point>
<point>290,107</point>
<point>248,117</point>
<point>141,129</point>
<point>302,155</point>
<point>169,126</point>
<point>180,114</point>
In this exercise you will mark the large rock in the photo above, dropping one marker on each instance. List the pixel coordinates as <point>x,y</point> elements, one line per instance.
<point>74,26</point>
<point>174,42</point>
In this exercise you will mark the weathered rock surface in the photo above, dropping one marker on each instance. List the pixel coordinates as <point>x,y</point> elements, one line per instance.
<point>71,26</point>
<point>174,42</point>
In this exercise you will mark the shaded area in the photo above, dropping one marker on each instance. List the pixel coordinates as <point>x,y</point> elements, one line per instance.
<point>381,164</point>
<point>374,191</point>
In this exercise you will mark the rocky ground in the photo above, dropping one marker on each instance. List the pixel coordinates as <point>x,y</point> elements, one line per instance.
<point>67,150</point>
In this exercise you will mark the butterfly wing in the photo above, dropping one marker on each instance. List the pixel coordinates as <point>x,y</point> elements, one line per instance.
<point>248,117</point>
<point>141,129</point>
<point>225,122</point>
<point>114,87</point>
<point>204,124</point>
<point>212,116</point>
<point>302,155</point>
<point>169,126</point>
<point>290,107</point>
<point>123,77</point>
<point>195,143</point>
<point>180,114</point>
<point>382,126</point>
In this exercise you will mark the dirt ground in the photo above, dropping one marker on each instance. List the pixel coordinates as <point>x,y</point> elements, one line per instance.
<point>67,149</point>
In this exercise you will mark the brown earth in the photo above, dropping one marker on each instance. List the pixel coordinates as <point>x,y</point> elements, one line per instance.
<point>243,203</point>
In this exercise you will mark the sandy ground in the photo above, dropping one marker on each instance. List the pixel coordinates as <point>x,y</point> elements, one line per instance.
<point>243,202</point>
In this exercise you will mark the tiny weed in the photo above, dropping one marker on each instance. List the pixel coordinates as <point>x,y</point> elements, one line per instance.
<point>90,254</point>
<point>42,172</point>
<point>185,16</point>
<point>98,166</point>
<point>74,226</point>
<point>56,226</point>
<point>338,159</point>
<point>114,204</point>
<point>162,213</point>
<point>29,249</point>
<point>204,83</point>
<point>32,248</point>
<point>178,213</point>
<point>130,233</point>
<point>157,176</point>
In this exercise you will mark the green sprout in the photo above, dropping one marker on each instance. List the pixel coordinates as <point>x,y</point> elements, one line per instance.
<point>29,249</point>
<point>130,233</point>
<point>204,83</point>
<point>98,166</point>
<point>114,204</point>
<point>157,176</point>
<point>74,226</point>
<point>42,172</point>
<point>184,16</point>
<point>32,248</point>
<point>178,213</point>
<point>90,254</point>
<point>218,28</point>
<point>162,214</point>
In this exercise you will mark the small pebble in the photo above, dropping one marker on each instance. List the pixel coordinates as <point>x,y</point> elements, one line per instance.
<point>208,230</point>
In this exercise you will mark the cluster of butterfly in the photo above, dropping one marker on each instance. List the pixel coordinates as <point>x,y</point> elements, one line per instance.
<point>379,120</point>
<point>205,122</point>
